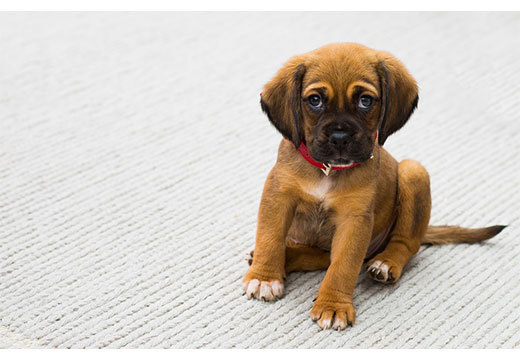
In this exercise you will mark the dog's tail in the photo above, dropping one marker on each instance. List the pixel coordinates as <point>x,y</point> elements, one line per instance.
<point>437,235</point>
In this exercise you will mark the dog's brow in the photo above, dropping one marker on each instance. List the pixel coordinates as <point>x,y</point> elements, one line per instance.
<point>363,85</point>
<point>315,88</point>
<point>367,81</point>
<point>313,82</point>
<point>318,85</point>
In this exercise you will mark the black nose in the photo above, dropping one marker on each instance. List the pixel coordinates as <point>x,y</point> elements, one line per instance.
<point>339,139</point>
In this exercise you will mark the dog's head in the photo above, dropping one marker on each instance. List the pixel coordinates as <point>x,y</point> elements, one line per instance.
<point>337,98</point>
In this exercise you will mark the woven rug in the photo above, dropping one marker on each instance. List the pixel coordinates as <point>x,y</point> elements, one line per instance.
<point>133,152</point>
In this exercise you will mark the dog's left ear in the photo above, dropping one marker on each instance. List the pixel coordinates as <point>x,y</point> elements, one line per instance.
<point>281,100</point>
<point>399,94</point>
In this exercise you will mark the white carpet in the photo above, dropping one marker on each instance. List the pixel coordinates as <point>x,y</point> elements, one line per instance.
<point>133,152</point>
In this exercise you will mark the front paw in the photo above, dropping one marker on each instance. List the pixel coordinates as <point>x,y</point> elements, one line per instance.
<point>333,313</point>
<point>262,286</point>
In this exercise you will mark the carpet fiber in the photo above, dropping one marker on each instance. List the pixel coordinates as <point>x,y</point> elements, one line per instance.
<point>133,152</point>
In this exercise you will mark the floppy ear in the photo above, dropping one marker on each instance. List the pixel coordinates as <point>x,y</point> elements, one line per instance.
<point>281,100</point>
<point>400,95</point>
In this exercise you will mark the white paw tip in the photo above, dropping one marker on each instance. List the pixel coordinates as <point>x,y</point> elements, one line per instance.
<point>325,324</point>
<point>277,288</point>
<point>376,264</point>
<point>265,291</point>
<point>252,288</point>
<point>339,324</point>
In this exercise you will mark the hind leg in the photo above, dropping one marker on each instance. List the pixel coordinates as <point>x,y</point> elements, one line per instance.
<point>301,258</point>
<point>414,205</point>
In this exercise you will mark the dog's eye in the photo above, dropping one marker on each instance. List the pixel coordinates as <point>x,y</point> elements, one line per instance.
<point>315,101</point>
<point>365,102</point>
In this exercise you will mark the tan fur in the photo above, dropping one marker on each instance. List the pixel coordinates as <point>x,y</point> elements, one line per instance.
<point>303,214</point>
<point>456,234</point>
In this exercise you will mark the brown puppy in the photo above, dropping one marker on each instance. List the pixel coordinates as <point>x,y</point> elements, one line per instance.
<point>335,107</point>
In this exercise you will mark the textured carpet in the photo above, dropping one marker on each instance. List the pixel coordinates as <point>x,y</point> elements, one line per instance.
<point>133,152</point>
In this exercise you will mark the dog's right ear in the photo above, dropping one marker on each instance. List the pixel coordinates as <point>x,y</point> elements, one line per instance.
<point>281,100</point>
<point>399,94</point>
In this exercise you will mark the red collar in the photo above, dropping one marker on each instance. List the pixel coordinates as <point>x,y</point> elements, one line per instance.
<point>326,168</point>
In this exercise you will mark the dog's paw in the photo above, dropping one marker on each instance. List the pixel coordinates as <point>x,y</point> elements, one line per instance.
<point>257,285</point>
<point>263,290</point>
<point>333,315</point>
<point>385,271</point>
<point>249,257</point>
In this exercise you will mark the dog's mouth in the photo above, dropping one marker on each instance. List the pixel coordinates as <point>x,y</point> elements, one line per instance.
<point>355,153</point>
<point>342,162</point>
<point>349,160</point>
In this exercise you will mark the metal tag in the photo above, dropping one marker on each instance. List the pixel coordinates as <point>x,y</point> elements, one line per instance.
<point>327,169</point>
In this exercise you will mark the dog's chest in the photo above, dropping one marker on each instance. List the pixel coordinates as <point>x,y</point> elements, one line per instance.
<point>311,224</point>
<point>321,190</point>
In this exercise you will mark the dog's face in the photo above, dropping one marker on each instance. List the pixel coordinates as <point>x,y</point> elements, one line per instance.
<point>337,98</point>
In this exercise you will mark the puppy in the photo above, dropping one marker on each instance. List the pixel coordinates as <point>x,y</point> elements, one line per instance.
<point>335,197</point>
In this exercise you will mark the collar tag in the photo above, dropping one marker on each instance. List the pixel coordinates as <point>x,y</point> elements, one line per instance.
<point>327,169</point>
